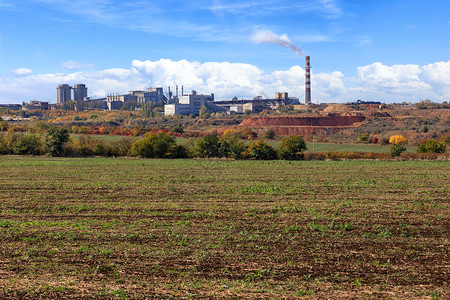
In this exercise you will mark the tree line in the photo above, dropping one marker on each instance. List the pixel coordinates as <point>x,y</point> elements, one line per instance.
<point>57,141</point>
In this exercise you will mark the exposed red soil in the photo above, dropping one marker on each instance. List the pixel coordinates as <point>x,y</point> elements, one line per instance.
<point>305,126</point>
<point>329,121</point>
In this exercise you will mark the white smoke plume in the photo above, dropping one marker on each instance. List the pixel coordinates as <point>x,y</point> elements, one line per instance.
<point>266,36</point>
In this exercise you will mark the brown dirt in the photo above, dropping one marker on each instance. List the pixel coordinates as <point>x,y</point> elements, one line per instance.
<point>305,126</point>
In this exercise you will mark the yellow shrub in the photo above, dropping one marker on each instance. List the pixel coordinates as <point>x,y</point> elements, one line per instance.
<point>397,139</point>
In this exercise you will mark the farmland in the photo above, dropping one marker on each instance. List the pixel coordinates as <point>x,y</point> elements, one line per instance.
<point>121,227</point>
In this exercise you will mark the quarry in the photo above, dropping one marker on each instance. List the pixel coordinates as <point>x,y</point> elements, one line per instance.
<point>301,125</point>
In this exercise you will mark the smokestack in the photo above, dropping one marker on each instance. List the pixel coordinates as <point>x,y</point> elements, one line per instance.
<point>182,90</point>
<point>177,91</point>
<point>308,81</point>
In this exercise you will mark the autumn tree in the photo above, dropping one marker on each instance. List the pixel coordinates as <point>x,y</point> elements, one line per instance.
<point>397,139</point>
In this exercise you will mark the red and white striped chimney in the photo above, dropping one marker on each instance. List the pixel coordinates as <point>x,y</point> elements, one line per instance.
<point>308,80</point>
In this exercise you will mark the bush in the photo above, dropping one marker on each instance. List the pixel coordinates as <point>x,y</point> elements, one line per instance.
<point>153,145</point>
<point>384,141</point>
<point>397,149</point>
<point>270,134</point>
<point>27,144</point>
<point>20,143</point>
<point>292,148</point>
<point>397,139</point>
<point>260,150</point>
<point>177,129</point>
<point>123,147</point>
<point>84,145</point>
<point>3,145</point>
<point>432,146</point>
<point>363,138</point>
<point>445,139</point>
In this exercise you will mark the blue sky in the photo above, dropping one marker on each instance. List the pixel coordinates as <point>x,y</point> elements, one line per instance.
<point>391,51</point>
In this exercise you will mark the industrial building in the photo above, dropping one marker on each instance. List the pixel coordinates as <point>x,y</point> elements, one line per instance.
<point>257,104</point>
<point>79,92</point>
<point>63,93</point>
<point>156,95</point>
<point>188,104</point>
<point>35,105</point>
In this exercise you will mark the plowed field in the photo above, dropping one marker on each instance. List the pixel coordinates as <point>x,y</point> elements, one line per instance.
<point>134,228</point>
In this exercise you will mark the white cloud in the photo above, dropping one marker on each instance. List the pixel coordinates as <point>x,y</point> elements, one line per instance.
<point>376,81</point>
<point>437,75</point>
<point>22,71</point>
<point>330,86</point>
<point>388,83</point>
<point>73,65</point>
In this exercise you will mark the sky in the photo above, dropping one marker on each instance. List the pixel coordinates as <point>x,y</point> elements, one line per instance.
<point>384,50</point>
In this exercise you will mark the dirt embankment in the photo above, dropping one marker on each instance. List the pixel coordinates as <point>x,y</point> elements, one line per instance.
<point>305,126</point>
<point>329,121</point>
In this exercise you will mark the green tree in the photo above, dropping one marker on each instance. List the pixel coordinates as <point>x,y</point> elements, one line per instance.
<point>230,147</point>
<point>55,140</point>
<point>292,148</point>
<point>203,112</point>
<point>260,150</point>
<point>433,146</point>
<point>67,105</point>
<point>153,145</point>
<point>207,146</point>
<point>177,151</point>
<point>147,109</point>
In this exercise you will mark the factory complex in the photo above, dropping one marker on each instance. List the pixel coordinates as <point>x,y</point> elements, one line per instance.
<point>76,98</point>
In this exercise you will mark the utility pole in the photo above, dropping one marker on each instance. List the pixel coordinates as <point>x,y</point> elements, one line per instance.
<point>314,140</point>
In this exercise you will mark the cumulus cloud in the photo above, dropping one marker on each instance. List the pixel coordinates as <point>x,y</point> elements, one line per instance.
<point>73,65</point>
<point>391,82</point>
<point>372,82</point>
<point>22,71</point>
<point>437,75</point>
